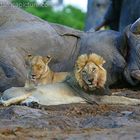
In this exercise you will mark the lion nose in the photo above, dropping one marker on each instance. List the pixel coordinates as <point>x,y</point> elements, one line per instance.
<point>90,80</point>
<point>33,75</point>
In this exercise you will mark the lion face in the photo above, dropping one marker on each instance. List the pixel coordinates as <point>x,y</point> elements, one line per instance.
<point>37,66</point>
<point>89,71</point>
<point>90,74</point>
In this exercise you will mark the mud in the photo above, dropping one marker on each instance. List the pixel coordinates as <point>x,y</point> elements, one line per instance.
<point>72,122</point>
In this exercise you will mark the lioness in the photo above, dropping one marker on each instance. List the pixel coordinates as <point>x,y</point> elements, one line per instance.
<point>40,73</point>
<point>72,90</point>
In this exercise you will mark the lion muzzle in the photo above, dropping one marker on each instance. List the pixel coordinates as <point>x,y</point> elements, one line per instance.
<point>89,81</point>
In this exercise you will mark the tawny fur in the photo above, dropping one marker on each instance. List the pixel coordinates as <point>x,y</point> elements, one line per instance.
<point>40,73</point>
<point>63,93</point>
<point>87,63</point>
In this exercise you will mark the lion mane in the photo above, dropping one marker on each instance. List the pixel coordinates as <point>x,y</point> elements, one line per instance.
<point>92,65</point>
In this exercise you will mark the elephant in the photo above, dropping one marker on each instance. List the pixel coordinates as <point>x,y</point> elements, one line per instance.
<point>95,13</point>
<point>22,33</point>
<point>116,16</point>
<point>132,70</point>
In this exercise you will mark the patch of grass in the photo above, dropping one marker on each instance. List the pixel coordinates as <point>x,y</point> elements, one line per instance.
<point>69,15</point>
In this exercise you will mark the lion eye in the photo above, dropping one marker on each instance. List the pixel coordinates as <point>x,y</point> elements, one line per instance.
<point>93,69</point>
<point>39,67</point>
<point>84,72</point>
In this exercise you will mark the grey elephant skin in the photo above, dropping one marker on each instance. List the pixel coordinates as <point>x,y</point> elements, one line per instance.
<point>122,13</point>
<point>21,32</point>
<point>95,12</point>
<point>132,34</point>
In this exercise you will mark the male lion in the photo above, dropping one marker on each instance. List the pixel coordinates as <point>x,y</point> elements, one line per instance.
<point>89,71</point>
<point>40,73</point>
<point>72,90</point>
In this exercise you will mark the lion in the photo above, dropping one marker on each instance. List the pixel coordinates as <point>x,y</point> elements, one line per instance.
<point>89,71</point>
<point>75,89</point>
<point>39,72</point>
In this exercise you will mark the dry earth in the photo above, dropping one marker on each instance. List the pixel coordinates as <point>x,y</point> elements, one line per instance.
<point>72,122</point>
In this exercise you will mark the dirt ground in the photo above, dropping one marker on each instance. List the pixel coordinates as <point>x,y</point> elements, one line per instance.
<point>72,122</point>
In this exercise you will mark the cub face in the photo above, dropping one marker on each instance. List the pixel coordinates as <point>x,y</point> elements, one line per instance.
<point>37,66</point>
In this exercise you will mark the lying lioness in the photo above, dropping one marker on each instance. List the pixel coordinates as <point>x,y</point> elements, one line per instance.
<point>86,79</point>
<point>39,72</point>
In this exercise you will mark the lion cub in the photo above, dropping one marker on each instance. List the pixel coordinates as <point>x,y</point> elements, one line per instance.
<point>38,72</point>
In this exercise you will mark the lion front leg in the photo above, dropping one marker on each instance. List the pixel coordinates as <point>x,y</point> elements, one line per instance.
<point>31,102</point>
<point>102,91</point>
<point>14,100</point>
<point>29,85</point>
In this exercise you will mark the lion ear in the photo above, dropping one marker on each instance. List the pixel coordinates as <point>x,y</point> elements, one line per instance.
<point>101,65</point>
<point>103,62</point>
<point>47,59</point>
<point>77,68</point>
<point>28,58</point>
<point>29,55</point>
